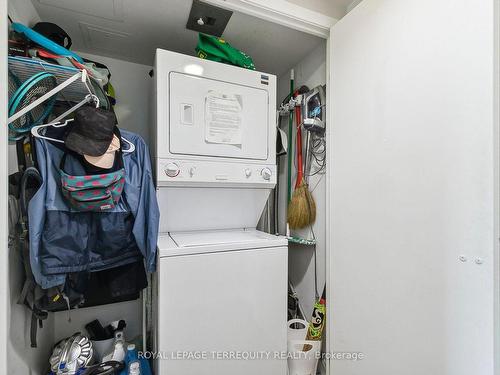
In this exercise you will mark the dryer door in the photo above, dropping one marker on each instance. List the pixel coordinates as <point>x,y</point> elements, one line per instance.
<point>215,118</point>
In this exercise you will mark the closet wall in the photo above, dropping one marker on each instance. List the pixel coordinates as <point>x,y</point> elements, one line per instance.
<point>311,71</point>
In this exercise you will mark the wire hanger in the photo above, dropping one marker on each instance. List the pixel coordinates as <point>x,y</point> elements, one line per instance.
<point>35,132</point>
<point>58,123</point>
<point>88,99</point>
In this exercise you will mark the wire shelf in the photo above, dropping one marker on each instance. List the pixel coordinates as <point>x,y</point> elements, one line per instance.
<point>24,68</point>
<point>301,241</point>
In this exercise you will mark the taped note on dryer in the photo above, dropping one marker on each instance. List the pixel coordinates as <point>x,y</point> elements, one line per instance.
<point>223,123</point>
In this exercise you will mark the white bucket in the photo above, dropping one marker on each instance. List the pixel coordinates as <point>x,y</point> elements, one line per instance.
<point>303,357</point>
<point>102,347</point>
<point>297,329</point>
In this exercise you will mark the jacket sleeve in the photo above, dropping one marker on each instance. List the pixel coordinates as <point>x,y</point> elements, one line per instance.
<point>147,216</point>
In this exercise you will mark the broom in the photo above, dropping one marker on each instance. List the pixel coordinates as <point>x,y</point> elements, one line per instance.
<point>302,208</point>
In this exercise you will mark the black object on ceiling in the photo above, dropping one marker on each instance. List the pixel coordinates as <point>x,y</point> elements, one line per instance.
<point>208,19</point>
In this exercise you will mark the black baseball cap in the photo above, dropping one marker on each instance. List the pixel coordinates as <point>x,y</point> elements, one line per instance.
<point>92,131</point>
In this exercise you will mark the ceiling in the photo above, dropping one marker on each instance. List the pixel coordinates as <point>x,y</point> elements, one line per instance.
<point>333,8</point>
<point>131,30</point>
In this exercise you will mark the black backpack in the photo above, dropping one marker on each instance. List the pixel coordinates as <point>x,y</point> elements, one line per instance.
<point>39,301</point>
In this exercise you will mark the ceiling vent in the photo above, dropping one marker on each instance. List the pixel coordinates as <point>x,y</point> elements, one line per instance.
<point>101,39</point>
<point>106,9</point>
<point>208,19</point>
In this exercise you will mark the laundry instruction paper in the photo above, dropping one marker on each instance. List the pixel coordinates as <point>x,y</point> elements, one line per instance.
<point>223,123</point>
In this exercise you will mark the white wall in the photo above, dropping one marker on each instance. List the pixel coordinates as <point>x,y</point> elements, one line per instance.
<point>23,11</point>
<point>310,72</point>
<point>131,311</point>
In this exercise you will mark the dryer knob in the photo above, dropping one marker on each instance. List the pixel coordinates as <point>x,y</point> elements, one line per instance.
<point>248,172</point>
<point>266,174</point>
<point>172,170</point>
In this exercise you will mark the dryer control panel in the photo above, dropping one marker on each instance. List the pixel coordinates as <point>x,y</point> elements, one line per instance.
<point>214,173</point>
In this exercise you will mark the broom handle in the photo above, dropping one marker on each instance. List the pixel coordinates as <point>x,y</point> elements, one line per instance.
<point>300,173</point>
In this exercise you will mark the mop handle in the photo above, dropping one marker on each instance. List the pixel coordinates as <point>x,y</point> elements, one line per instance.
<point>290,142</point>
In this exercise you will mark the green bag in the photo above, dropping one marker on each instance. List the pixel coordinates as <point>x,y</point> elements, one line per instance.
<point>217,49</point>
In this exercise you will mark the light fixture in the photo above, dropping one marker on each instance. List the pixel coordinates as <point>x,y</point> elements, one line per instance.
<point>208,19</point>
<point>193,69</point>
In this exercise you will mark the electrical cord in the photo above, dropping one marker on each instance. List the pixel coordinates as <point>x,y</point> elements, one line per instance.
<point>318,153</point>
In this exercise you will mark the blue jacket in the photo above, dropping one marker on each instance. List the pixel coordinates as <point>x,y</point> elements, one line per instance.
<point>63,240</point>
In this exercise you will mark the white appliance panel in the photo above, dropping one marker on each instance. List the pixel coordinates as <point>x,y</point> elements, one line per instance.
<point>223,302</point>
<point>205,242</point>
<point>238,113</point>
<point>178,172</point>
<point>207,208</point>
<point>203,238</point>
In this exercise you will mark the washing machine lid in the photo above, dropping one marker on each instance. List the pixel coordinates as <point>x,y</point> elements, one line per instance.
<point>184,243</point>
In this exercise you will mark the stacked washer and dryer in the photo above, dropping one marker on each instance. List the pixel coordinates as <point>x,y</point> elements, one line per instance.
<point>222,285</point>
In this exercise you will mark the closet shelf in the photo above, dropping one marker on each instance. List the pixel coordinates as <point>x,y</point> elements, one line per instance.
<point>301,241</point>
<point>23,68</point>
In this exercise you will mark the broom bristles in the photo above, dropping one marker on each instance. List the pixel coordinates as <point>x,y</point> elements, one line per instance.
<point>302,208</point>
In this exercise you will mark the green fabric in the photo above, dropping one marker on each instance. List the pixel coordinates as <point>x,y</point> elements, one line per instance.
<point>216,49</point>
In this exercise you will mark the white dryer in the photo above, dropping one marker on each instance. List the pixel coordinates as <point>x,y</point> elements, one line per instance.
<point>222,303</point>
<point>214,143</point>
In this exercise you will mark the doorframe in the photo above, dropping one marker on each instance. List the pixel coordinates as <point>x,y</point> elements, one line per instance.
<point>328,202</point>
<point>496,155</point>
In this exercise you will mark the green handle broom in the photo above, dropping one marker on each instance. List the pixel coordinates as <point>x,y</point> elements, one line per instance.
<point>290,144</point>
